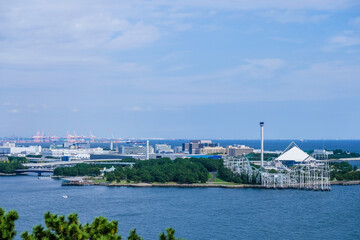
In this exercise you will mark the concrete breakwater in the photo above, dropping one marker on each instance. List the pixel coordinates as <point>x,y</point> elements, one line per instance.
<point>87,183</point>
<point>207,185</point>
<point>346,183</point>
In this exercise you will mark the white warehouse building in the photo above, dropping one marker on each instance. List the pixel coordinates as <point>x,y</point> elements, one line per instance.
<point>12,149</point>
<point>72,153</point>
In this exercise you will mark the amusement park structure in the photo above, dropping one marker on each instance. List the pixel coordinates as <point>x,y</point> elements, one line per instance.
<point>309,172</point>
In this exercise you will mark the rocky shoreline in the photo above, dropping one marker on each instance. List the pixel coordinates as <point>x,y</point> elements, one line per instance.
<point>7,174</point>
<point>346,183</point>
<point>195,185</point>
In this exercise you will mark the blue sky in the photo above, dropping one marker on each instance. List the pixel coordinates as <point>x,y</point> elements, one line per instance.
<point>181,69</point>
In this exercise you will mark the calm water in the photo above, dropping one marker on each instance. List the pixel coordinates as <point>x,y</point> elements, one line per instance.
<point>194,213</point>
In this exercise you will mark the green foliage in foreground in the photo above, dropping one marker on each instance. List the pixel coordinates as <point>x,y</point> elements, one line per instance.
<point>7,224</point>
<point>343,171</point>
<point>60,228</point>
<point>10,167</point>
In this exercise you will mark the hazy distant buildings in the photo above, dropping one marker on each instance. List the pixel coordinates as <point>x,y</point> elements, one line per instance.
<point>135,149</point>
<point>239,150</point>
<point>178,149</point>
<point>163,148</point>
<point>195,146</point>
<point>185,147</point>
<point>12,149</point>
<point>213,150</point>
<point>71,153</point>
<point>78,145</point>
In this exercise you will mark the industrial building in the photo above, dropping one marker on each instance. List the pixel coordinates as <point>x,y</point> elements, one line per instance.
<point>178,149</point>
<point>72,153</point>
<point>12,149</point>
<point>163,148</point>
<point>213,150</point>
<point>239,150</point>
<point>135,149</point>
<point>195,146</point>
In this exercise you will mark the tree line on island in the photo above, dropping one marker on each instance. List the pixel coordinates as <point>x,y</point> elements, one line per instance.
<point>343,171</point>
<point>58,227</point>
<point>12,164</point>
<point>189,170</point>
<point>182,171</point>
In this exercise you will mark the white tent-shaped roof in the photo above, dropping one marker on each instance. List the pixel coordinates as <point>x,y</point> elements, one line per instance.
<point>294,153</point>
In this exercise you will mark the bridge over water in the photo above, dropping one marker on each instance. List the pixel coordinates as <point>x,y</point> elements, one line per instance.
<point>48,167</point>
<point>39,171</point>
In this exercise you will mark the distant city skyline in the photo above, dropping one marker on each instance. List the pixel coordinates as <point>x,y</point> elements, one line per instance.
<point>181,69</point>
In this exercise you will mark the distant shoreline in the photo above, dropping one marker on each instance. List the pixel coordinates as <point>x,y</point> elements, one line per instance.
<point>7,174</point>
<point>344,159</point>
<point>195,185</point>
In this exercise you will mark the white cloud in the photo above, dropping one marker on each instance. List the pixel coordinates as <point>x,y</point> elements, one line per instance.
<point>346,39</point>
<point>14,110</point>
<point>254,68</point>
<point>137,109</point>
<point>288,40</point>
<point>171,109</point>
<point>95,46</point>
<point>264,4</point>
<point>131,67</point>
<point>136,36</point>
<point>356,21</point>
<point>268,63</point>
<point>288,16</point>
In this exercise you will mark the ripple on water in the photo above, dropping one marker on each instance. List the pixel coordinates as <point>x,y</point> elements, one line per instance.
<point>195,213</point>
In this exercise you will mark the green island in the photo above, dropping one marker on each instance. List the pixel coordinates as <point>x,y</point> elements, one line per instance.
<point>343,171</point>
<point>164,170</point>
<point>11,165</point>
<point>184,171</point>
<point>58,227</point>
<point>338,153</point>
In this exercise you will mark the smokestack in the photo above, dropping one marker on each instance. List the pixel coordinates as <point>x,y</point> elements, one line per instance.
<point>147,149</point>
<point>262,143</point>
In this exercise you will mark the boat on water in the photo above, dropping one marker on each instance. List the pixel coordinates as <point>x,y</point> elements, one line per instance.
<point>44,178</point>
<point>65,196</point>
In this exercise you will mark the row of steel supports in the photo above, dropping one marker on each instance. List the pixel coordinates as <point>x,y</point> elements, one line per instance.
<point>309,175</point>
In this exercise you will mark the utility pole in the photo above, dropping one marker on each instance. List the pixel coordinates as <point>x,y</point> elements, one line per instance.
<point>147,149</point>
<point>262,143</point>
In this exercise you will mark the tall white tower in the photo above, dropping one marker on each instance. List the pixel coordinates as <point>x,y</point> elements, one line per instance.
<point>262,143</point>
<point>147,149</point>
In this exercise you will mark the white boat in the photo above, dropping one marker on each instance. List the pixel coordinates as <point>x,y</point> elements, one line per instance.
<point>44,178</point>
<point>65,196</point>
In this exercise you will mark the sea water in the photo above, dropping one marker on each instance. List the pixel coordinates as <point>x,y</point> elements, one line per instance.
<point>195,213</point>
